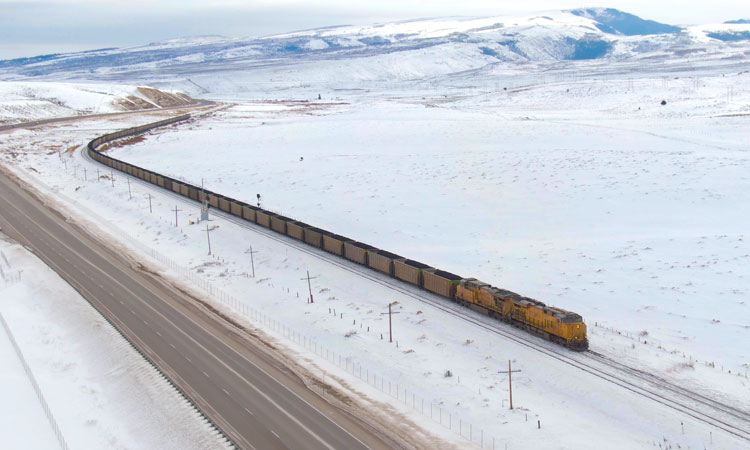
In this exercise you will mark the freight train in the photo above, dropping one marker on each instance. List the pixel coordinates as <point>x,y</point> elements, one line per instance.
<point>555,324</point>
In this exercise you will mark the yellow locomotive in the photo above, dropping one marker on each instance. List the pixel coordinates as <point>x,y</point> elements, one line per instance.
<point>555,324</point>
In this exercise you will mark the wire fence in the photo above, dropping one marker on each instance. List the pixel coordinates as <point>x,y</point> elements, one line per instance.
<point>32,379</point>
<point>406,395</point>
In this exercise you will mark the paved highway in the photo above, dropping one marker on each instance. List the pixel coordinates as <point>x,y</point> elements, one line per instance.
<point>247,393</point>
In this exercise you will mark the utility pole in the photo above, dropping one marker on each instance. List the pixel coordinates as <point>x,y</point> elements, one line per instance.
<point>510,382</point>
<point>208,238</point>
<point>390,322</point>
<point>84,175</point>
<point>175,214</point>
<point>252,262</point>
<point>97,175</point>
<point>112,173</point>
<point>130,195</point>
<point>149,203</point>
<point>309,286</point>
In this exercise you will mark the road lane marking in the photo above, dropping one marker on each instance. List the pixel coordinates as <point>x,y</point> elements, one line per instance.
<point>249,412</point>
<point>173,347</point>
<point>277,436</point>
<point>158,333</point>
<point>225,391</point>
<point>204,373</point>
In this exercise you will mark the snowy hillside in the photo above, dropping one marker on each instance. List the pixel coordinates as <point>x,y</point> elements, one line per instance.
<point>426,47</point>
<point>22,101</point>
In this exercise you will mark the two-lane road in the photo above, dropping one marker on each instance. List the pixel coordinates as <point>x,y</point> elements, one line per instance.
<point>238,385</point>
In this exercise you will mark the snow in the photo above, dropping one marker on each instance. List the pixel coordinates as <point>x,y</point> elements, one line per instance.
<point>24,101</point>
<point>100,391</point>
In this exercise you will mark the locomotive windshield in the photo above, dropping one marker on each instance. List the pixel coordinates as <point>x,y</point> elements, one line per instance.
<point>570,318</point>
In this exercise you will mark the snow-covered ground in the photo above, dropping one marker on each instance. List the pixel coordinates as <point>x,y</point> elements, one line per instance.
<point>589,195</point>
<point>99,390</point>
<point>28,100</point>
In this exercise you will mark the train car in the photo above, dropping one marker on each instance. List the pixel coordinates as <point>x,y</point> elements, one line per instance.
<point>314,236</point>
<point>357,251</point>
<point>235,208</point>
<point>213,200</point>
<point>296,229</point>
<point>333,243</point>
<point>248,212</point>
<point>441,282</point>
<point>193,193</point>
<point>263,218</point>
<point>382,261</point>
<point>224,204</point>
<point>410,271</point>
<point>279,223</point>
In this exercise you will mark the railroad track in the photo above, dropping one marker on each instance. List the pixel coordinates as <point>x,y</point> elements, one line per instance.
<point>728,418</point>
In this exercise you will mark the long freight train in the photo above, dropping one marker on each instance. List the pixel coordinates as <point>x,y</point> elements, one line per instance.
<point>555,324</point>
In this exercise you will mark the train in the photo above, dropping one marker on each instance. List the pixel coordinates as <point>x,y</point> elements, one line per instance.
<point>554,324</point>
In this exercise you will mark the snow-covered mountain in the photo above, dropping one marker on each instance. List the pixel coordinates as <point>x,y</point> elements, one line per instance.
<point>408,50</point>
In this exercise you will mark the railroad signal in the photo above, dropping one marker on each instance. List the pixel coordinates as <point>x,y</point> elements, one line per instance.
<point>510,381</point>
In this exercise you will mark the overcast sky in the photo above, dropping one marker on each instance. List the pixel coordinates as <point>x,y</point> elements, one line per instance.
<point>30,28</point>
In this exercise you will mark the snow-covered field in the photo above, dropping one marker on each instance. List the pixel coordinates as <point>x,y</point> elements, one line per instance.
<point>631,214</point>
<point>591,196</point>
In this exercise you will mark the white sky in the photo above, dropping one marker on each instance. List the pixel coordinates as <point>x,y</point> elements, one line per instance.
<point>29,28</point>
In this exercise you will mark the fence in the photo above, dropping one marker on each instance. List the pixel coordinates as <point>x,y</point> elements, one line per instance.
<point>403,394</point>
<point>38,391</point>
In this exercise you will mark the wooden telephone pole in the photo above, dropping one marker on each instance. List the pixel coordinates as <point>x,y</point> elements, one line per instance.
<point>252,263</point>
<point>510,381</point>
<point>208,238</point>
<point>175,214</point>
<point>309,286</point>
<point>390,322</point>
